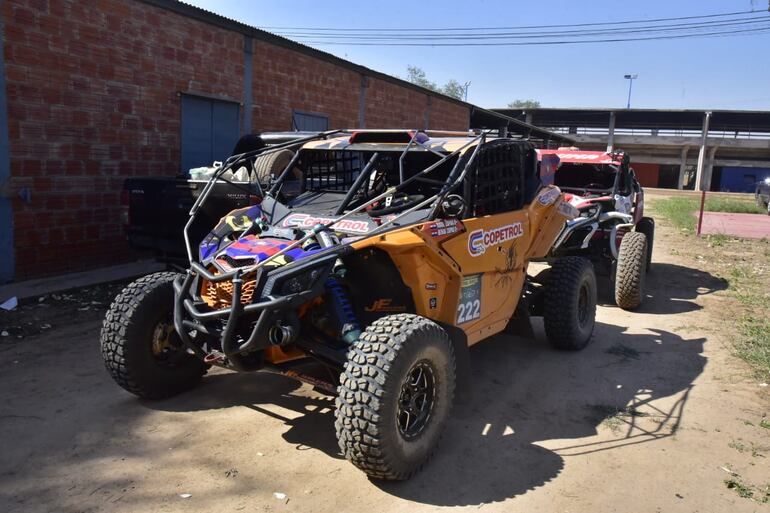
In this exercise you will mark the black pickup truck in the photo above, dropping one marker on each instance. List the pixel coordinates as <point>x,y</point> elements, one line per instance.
<point>155,209</point>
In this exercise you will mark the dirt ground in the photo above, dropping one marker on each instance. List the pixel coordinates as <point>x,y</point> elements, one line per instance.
<point>655,415</point>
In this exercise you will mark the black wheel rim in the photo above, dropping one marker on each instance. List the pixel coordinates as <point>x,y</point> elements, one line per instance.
<point>415,402</point>
<point>583,304</point>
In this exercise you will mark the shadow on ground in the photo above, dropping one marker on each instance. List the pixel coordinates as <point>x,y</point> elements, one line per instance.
<point>525,397</point>
<point>670,289</point>
<point>523,393</point>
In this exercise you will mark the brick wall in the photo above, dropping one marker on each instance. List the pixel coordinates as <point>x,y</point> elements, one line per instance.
<point>285,80</point>
<point>92,99</point>
<point>445,115</point>
<point>92,91</point>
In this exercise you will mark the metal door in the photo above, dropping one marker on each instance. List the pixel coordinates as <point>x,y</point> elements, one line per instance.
<point>210,129</point>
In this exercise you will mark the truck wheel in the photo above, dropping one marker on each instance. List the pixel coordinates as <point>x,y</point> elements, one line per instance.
<point>395,395</point>
<point>140,347</point>
<point>646,225</point>
<point>272,164</point>
<point>630,270</point>
<point>569,303</point>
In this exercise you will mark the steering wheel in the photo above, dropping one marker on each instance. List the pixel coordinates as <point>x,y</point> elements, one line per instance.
<point>398,202</point>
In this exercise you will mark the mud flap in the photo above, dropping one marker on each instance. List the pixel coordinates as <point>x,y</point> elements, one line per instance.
<point>520,326</point>
<point>462,363</point>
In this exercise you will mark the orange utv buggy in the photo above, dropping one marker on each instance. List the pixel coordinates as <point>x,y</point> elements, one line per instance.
<point>402,249</point>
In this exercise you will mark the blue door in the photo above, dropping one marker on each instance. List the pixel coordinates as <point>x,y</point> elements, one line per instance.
<point>309,122</point>
<point>210,130</point>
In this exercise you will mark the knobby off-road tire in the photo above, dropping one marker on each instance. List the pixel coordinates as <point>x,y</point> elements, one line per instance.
<point>569,305</point>
<point>646,225</point>
<point>272,164</point>
<point>631,270</point>
<point>130,341</point>
<point>371,420</point>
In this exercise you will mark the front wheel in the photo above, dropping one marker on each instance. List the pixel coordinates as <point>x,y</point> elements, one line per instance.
<point>630,270</point>
<point>569,303</point>
<point>395,396</point>
<point>646,225</point>
<point>140,347</point>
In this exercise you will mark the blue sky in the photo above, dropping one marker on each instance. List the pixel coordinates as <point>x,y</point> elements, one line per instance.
<point>717,73</point>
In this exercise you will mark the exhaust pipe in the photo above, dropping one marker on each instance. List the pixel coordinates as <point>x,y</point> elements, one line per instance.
<point>281,335</point>
<point>284,332</point>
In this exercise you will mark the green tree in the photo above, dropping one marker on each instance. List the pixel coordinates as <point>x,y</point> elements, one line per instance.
<point>452,88</point>
<point>524,104</point>
<point>417,76</point>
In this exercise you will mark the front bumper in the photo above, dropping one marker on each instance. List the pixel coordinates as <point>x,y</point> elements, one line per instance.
<point>243,327</point>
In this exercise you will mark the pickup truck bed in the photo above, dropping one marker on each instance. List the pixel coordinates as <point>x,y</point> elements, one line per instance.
<point>158,210</point>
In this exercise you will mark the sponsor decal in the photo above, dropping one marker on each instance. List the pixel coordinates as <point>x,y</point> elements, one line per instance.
<point>567,210</point>
<point>384,305</point>
<point>480,240</point>
<point>469,307</point>
<point>548,196</point>
<point>431,286</point>
<point>442,228</point>
<point>433,303</point>
<point>307,221</point>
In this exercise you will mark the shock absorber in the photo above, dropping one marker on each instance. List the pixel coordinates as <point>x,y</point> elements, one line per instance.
<point>343,310</point>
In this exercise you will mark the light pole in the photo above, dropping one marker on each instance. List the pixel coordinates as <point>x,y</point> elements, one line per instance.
<point>465,88</point>
<point>630,79</point>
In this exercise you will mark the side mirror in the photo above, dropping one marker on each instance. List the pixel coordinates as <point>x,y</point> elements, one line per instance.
<point>453,206</point>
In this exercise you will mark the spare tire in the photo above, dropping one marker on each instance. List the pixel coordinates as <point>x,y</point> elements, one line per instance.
<point>273,164</point>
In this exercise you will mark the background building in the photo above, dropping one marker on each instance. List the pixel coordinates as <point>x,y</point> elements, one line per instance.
<point>666,145</point>
<point>99,91</point>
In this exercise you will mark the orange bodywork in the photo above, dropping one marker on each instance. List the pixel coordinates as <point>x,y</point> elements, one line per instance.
<point>471,274</point>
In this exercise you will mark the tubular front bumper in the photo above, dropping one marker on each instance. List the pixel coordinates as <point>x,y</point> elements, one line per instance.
<point>191,313</point>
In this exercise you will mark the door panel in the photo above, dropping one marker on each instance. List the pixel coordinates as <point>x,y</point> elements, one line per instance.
<point>490,254</point>
<point>210,129</point>
<point>225,134</point>
<point>308,122</point>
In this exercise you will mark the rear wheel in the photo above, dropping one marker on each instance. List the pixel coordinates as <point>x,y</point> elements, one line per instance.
<point>569,304</point>
<point>395,396</point>
<point>631,270</point>
<point>140,347</point>
<point>646,225</point>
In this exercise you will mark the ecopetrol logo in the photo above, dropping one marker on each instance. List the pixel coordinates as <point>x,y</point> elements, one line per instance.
<point>480,240</point>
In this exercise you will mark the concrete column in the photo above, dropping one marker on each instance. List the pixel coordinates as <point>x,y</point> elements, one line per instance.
<point>682,167</point>
<point>362,101</point>
<point>611,133</point>
<point>248,53</point>
<point>702,154</point>
<point>707,172</point>
<point>528,118</point>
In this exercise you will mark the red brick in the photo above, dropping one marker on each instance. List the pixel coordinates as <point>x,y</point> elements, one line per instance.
<point>98,83</point>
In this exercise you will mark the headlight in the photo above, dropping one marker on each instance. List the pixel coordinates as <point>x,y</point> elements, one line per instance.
<point>300,282</point>
<point>292,281</point>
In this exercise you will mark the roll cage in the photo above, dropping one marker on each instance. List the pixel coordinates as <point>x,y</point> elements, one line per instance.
<point>476,169</point>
